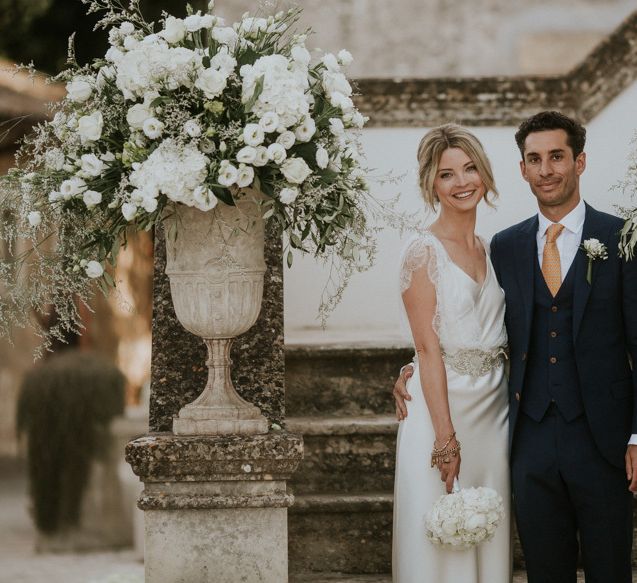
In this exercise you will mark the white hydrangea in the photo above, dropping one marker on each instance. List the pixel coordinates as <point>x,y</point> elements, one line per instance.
<point>172,169</point>
<point>283,90</point>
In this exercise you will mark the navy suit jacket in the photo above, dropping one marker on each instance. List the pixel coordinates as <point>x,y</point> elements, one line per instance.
<point>604,327</point>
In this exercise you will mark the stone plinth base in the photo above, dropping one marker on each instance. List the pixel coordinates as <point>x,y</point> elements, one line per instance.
<point>215,506</point>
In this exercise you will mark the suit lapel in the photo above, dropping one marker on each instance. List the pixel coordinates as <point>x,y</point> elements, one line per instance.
<point>582,288</point>
<point>525,256</point>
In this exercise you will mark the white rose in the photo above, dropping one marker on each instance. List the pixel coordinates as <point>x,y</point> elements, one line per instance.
<point>345,57</point>
<point>288,195</point>
<point>322,158</point>
<point>192,128</point>
<point>153,128</point>
<point>137,115</point>
<point>207,21</point>
<point>329,60</point>
<point>269,122</point>
<point>246,176</point>
<point>247,155</point>
<point>251,25</point>
<point>94,269</point>
<point>114,55</point>
<point>212,82</point>
<point>92,165</point>
<point>225,35</point>
<point>301,55</point>
<point>337,99</point>
<point>295,170</point>
<point>277,153</point>
<point>149,204</point>
<point>174,30</point>
<point>130,42</point>
<point>129,211</point>
<point>72,187</point>
<point>90,127</point>
<point>228,174</point>
<point>261,157</point>
<point>204,198</point>
<point>286,139</point>
<point>91,198</point>
<point>34,218</point>
<point>223,61</point>
<point>336,126</point>
<point>253,134</point>
<point>79,90</point>
<point>193,22</point>
<point>306,130</point>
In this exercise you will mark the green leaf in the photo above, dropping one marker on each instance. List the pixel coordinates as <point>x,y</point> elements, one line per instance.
<point>258,89</point>
<point>289,259</point>
<point>109,279</point>
<point>268,213</point>
<point>223,194</point>
<point>295,241</point>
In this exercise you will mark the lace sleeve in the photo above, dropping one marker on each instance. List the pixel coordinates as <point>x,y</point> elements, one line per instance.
<point>419,253</point>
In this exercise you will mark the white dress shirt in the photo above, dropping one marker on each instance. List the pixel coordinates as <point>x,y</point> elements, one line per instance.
<point>567,245</point>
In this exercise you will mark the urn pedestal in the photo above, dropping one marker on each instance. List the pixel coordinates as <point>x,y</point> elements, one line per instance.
<point>215,262</point>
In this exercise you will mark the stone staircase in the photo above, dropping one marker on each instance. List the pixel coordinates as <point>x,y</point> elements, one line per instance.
<point>339,399</point>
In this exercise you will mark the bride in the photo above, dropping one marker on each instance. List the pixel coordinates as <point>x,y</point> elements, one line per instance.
<point>456,422</point>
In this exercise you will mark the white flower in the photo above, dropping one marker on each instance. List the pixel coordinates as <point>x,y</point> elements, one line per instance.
<point>245,176</point>
<point>212,82</point>
<point>54,159</point>
<point>336,126</point>
<point>94,269</point>
<point>277,153</point>
<point>137,115</point>
<point>207,146</point>
<point>92,165</point>
<point>322,157</point>
<point>149,204</point>
<point>228,173</point>
<point>336,82</point>
<point>225,36</point>
<point>129,211</point>
<point>222,146</point>
<point>91,198</point>
<point>130,43</point>
<point>251,25</point>
<point>204,198</point>
<point>194,22</point>
<point>104,75</point>
<point>301,55</point>
<point>174,30</point>
<point>253,135</point>
<point>192,128</point>
<point>269,122</point>
<point>329,60</point>
<point>72,187</point>
<point>127,28</point>
<point>211,5</point>
<point>286,139</point>
<point>247,155</point>
<point>595,249</point>
<point>261,157</point>
<point>114,55</point>
<point>337,99</point>
<point>355,118</point>
<point>54,196</point>
<point>295,170</point>
<point>153,128</point>
<point>223,61</point>
<point>306,130</point>
<point>34,218</point>
<point>90,127</point>
<point>288,195</point>
<point>79,89</point>
<point>345,57</point>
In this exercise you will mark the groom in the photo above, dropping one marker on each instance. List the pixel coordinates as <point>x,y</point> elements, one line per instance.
<point>571,318</point>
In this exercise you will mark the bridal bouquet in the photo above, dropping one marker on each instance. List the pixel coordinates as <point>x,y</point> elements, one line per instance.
<point>464,518</point>
<point>193,112</point>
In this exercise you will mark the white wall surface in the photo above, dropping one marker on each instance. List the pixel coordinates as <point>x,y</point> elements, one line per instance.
<point>369,310</point>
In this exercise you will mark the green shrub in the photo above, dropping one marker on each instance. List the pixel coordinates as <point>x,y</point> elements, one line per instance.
<point>64,408</point>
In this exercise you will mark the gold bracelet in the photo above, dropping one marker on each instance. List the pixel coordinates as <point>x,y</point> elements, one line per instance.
<point>445,455</point>
<point>439,449</point>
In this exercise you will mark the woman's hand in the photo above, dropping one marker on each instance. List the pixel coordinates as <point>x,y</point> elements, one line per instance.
<point>451,469</point>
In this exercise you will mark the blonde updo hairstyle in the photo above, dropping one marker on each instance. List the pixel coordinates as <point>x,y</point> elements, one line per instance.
<point>430,150</point>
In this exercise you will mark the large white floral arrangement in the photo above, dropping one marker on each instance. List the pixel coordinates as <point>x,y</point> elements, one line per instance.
<point>191,114</point>
<point>464,518</point>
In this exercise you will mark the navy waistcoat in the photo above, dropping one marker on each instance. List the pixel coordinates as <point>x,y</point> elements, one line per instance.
<point>551,373</point>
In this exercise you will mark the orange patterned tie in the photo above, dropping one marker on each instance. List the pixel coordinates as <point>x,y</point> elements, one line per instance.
<point>551,267</point>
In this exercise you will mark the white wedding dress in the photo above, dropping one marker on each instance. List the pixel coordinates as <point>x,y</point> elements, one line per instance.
<point>469,322</point>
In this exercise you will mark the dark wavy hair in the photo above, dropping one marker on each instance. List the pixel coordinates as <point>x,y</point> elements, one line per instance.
<point>553,120</point>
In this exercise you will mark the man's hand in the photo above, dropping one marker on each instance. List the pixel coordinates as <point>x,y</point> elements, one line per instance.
<point>631,467</point>
<point>400,392</point>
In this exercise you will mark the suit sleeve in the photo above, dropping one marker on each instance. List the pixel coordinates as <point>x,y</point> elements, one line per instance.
<point>629,300</point>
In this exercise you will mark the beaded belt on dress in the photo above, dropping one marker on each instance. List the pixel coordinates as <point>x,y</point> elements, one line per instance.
<point>475,362</point>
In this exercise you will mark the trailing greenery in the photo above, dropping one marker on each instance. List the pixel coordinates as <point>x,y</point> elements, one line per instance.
<point>65,406</point>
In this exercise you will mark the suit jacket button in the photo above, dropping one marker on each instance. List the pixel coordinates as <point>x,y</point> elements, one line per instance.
<point>552,360</point>
<point>517,396</point>
<point>553,309</point>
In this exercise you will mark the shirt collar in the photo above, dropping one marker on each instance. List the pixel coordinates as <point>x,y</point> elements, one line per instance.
<point>573,221</point>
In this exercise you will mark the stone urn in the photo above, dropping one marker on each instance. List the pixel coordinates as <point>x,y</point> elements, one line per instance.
<point>215,262</point>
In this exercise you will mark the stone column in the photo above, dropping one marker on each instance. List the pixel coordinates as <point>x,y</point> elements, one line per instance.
<point>216,506</point>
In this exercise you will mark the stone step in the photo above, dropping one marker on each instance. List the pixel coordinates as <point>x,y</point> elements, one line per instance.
<point>346,533</point>
<point>518,577</point>
<point>341,380</point>
<point>345,454</point>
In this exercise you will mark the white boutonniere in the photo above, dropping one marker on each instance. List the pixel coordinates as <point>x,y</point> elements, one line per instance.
<point>594,250</point>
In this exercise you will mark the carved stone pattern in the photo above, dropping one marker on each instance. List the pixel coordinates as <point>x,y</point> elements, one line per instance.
<point>194,502</point>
